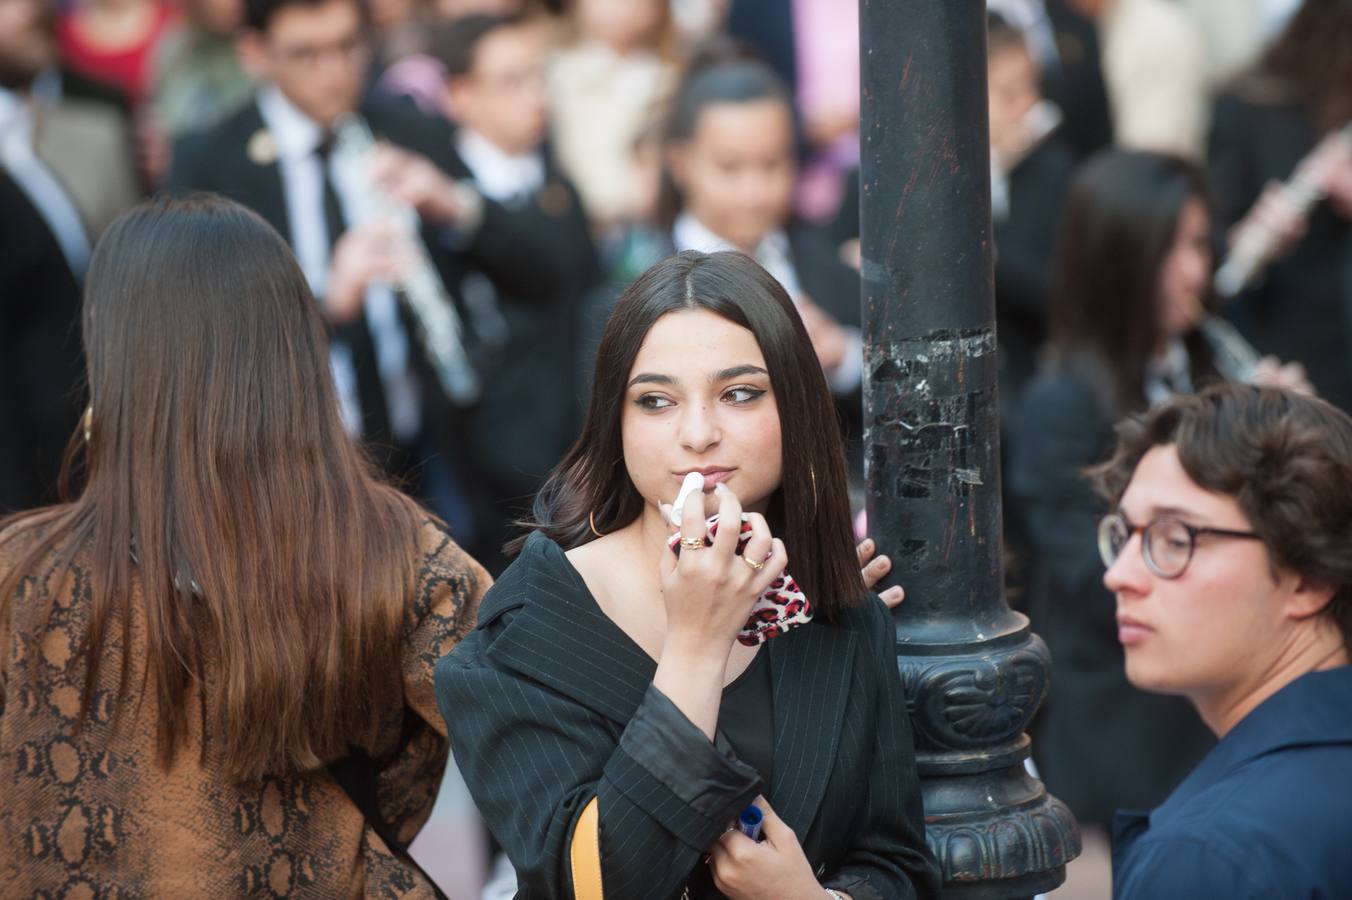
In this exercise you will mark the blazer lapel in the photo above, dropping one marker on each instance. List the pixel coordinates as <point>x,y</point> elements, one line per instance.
<point>247,169</point>
<point>562,639</point>
<point>810,668</point>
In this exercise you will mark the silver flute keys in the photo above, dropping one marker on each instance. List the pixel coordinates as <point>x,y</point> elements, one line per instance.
<point>419,283</point>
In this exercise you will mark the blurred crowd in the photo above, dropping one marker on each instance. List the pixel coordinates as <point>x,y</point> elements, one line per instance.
<point>553,151</point>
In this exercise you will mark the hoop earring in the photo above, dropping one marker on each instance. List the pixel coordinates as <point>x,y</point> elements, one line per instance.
<point>591,520</point>
<point>87,422</point>
<point>813,474</point>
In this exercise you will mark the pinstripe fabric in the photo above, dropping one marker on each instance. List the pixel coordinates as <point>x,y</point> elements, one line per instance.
<point>548,703</point>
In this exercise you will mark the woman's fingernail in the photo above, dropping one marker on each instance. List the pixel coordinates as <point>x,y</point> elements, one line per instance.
<point>720,488</point>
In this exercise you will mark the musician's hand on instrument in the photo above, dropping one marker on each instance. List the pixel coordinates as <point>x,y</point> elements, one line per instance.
<point>368,253</point>
<point>1272,372</point>
<point>414,181</point>
<point>1331,167</point>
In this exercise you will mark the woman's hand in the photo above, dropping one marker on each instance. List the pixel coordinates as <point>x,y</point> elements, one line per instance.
<point>874,568</point>
<point>773,869</point>
<point>709,590</point>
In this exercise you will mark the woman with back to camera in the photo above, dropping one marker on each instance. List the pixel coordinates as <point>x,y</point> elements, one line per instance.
<point>1131,274</point>
<point>607,666</point>
<point>217,666</point>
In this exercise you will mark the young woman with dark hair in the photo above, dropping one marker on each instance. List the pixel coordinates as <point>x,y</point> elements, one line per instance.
<point>606,665</point>
<point>217,664</point>
<point>729,170</point>
<point>1132,266</point>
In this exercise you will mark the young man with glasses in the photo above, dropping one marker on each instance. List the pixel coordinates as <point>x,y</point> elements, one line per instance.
<point>1228,552</point>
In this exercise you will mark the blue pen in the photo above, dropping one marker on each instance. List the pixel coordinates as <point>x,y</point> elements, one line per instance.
<point>749,822</point>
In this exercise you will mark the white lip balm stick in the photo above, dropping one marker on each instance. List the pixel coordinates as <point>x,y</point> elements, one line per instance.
<point>693,482</point>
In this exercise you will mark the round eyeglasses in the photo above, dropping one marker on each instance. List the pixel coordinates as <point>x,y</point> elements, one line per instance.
<point>1167,543</point>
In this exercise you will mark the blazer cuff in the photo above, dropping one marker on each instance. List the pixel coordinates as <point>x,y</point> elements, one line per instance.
<point>857,886</point>
<point>661,745</point>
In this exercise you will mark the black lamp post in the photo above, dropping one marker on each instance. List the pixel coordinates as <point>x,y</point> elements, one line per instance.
<point>973,670</point>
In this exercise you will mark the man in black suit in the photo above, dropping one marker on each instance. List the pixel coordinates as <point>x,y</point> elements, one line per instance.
<point>65,172</point>
<point>286,155</point>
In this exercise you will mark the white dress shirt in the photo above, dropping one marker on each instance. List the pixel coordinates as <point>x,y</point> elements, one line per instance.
<point>499,175</point>
<point>775,255</point>
<point>297,137</point>
<point>36,180</point>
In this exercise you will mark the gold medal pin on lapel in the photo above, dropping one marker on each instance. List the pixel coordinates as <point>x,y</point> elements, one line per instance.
<point>262,148</point>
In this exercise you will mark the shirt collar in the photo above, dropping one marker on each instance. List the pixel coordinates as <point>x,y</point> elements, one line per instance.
<point>296,134</point>
<point>773,252</point>
<point>498,174</point>
<point>1310,710</point>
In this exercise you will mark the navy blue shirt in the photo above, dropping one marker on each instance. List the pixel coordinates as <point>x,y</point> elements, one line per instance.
<point>1267,814</point>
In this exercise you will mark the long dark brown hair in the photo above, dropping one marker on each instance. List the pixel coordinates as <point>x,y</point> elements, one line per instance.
<point>1310,63</point>
<point>1118,226</point>
<point>222,497</point>
<point>809,511</point>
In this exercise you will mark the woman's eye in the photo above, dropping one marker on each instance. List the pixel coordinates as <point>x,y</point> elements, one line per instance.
<point>652,401</point>
<point>742,394</point>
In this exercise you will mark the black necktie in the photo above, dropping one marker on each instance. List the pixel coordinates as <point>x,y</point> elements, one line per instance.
<point>356,334</point>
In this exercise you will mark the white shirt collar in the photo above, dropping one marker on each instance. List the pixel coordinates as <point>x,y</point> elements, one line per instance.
<point>296,134</point>
<point>499,175</point>
<point>773,252</point>
<point>16,118</point>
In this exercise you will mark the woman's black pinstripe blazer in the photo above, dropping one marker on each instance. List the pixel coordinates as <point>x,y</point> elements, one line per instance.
<point>548,702</point>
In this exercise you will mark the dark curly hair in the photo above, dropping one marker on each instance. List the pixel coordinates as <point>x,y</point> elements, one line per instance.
<point>1285,458</point>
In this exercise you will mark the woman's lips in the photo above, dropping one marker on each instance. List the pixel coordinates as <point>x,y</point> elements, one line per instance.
<point>1131,631</point>
<point>711,476</point>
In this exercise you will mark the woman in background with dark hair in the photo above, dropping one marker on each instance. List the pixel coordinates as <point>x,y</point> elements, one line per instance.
<point>607,666</point>
<point>729,170</point>
<point>216,675</point>
<point>1130,274</point>
<point>1286,113</point>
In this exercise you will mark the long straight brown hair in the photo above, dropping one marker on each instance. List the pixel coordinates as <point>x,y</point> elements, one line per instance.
<point>810,510</point>
<point>273,569</point>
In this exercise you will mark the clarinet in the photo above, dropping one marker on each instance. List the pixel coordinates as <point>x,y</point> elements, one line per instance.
<point>1234,357</point>
<point>424,293</point>
<point>1255,247</point>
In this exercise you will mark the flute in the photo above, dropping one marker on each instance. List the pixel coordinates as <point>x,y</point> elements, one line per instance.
<point>420,283</point>
<point>1255,246</point>
<point>1233,356</point>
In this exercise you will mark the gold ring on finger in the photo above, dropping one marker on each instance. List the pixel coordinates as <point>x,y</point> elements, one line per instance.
<point>692,543</point>
<point>752,563</point>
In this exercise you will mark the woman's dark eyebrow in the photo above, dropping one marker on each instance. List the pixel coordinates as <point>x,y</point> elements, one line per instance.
<point>651,378</point>
<point>737,372</point>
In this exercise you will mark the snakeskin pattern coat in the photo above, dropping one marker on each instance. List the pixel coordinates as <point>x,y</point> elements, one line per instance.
<point>89,813</point>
